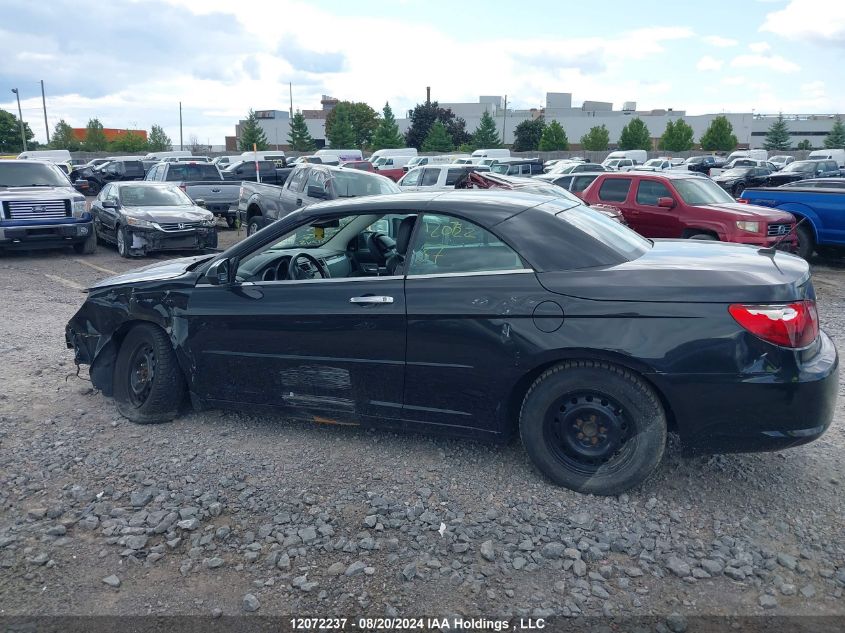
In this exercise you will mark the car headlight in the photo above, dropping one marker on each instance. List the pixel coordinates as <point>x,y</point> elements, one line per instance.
<point>142,224</point>
<point>751,227</point>
<point>210,221</point>
<point>78,208</point>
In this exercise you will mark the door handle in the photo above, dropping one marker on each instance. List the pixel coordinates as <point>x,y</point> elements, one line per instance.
<point>299,202</point>
<point>371,300</point>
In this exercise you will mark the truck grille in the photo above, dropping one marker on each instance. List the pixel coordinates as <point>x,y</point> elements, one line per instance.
<point>776,230</point>
<point>37,209</point>
<point>178,226</point>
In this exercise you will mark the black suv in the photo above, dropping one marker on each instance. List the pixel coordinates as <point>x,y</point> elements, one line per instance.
<point>804,169</point>
<point>517,166</point>
<point>112,171</point>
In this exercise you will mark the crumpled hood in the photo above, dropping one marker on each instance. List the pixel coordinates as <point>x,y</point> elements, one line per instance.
<point>184,213</point>
<point>159,271</point>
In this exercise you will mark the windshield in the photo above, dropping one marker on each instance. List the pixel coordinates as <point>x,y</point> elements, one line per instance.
<point>563,167</point>
<point>778,159</point>
<point>31,175</point>
<point>500,168</point>
<point>736,171</point>
<point>698,191</point>
<point>348,184</point>
<point>313,235</point>
<point>803,167</point>
<point>694,160</point>
<point>654,162</point>
<point>608,232</point>
<point>199,171</point>
<point>146,196</point>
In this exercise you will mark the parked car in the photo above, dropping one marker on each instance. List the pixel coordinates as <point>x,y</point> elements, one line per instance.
<point>683,205</point>
<point>187,159</point>
<point>363,165</point>
<point>222,162</point>
<point>571,167</point>
<point>392,167</point>
<point>490,153</point>
<point>574,183</point>
<point>436,177</point>
<point>618,164</point>
<point>736,180</point>
<point>821,225</point>
<point>638,156</point>
<point>267,171</point>
<point>143,217</point>
<point>529,314</point>
<point>275,156</point>
<point>780,161</point>
<point>201,182</point>
<point>803,169</point>
<point>40,209</point>
<point>757,154</point>
<point>261,204</point>
<point>816,183</point>
<point>160,156</point>
<point>111,171</point>
<point>701,164</point>
<point>655,164</point>
<point>402,151</point>
<point>742,162</point>
<point>517,166</point>
<point>339,155</point>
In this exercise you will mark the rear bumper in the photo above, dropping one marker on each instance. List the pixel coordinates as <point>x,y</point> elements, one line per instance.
<point>223,209</point>
<point>760,412</point>
<point>30,235</point>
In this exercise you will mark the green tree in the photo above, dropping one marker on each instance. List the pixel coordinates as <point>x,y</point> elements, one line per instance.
<point>836,138</point>
<point>438,139</point>
<point>554,138</point>
<point>360,116</point>
<point>597,139</point>
<point>526,135</point>
<point>635,135</point>
<point>387,134</point>
<point>677,137</point>
<point>777,137</point>
<point>95,138</point>
<point>719,136</point>
<point>423,116</point>
<point>299,138</point>
<point>63,138</point>
<point>805,144</point>
<point>129,142</point>
<point>486,136</point>
<point>158,141</point>
<point>10,133</point>
<point>252,133</point>
<point>342,134</point>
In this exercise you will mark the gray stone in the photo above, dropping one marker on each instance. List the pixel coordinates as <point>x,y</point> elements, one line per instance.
<point>768,602</point>
<point>308,535</point>
<point>370,520</point>
<point>213,563</point>
<point>487,551</point>
<point>355,568</point>
<point>552,551</point>
<point>250,603</point>
<point>283,562</point>
<point>519,562</point>
<point>190,524</point>
<point>599,592</point>
<point>808,591</point>
<point>336,569</point>
<point>136,542</point>
<point>112,581</point>
<point>678,567</point>
<point>788,589</point>
<point>790,562</point>
<point>712,567</point>
<point>735,573</point>
<point>409,571</point>
<point>140,498</point>
<point>579,568</point>
<point>676,623</point>
<point>633,572</point>
<point>582,520</point>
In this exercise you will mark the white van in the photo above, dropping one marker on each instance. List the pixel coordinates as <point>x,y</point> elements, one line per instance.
<point>224,161</point>
<point>53,155</point>
<point>829,154</point>
<point>163,155</point>
<point>491,153</point>
<point>391,162</point>
<point>639,156</point>
<point>404,151</point>
<point>756,154</point>
<point>340,155</point>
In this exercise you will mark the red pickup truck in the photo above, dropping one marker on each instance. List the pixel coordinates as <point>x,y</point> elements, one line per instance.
<point>684,205</point>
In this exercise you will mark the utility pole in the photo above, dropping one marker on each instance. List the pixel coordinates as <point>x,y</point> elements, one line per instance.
<point>20,118</point>
<point>44,103</point>
<point>181,145</point>
<point>290,87</point>
<point>427,95</point>
<point>504,119</point>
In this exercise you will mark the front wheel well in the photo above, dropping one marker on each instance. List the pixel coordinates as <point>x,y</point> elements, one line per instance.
<point>520,389</point>
<point>694,231</point>
<point>102,367</point>
<point>253,210</point>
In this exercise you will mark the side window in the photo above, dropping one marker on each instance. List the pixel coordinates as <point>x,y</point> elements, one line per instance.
<point>112,194</point>
<point>649,191</point>
<point>581,182</point>
<point>317,178</point>
<point>104,194</point>
<point>452,176</point>
<point>564,182</point>
<point>298,179</point>
<point>446,244</point>
<point>430,177</point>
<point>615,189</point>
<point>411,178</point>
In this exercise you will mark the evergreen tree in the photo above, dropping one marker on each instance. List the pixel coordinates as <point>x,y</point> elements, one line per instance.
<point>438,139</point>
<point>486,136</point>
<point>63,138</point>
<point>424,115</point>
<point>635,135</point>
<point>10,133</point>
<point>299,138</point>
<point>252,133</point>
<point>342,134</point>
<point>95,138</point>
<point>596,140</point>
<point>129,142</point>
<point>677,137</point>
<point>360,116</point>
<point>387,134</point>
<point>526,135</point>
<point>554,138</point>
<point>158,141</point>
<point>836,138</point>
<point>777,137</point>
<point>719,136</point>
<point>805,144</point>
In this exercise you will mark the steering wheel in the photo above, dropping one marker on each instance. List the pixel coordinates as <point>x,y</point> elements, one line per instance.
<point>309,269</point>
<point>380,245</point>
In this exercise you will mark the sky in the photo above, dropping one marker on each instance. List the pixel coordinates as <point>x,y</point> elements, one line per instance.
<point>130,63</point>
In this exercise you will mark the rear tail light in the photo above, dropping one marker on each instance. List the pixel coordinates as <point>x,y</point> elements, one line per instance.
<point>742,200</point>
<point>792,325</point>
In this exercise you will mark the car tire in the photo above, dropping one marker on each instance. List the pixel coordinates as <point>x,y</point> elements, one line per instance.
<point>231,222</point>
<point>593,427</point>
<point>255,224</point>
<point>124,242</point>
<point>93,188</point>
<point>806,241</point>
<point>88,246</point>
<point>149,386</point>
<point>703,236</point>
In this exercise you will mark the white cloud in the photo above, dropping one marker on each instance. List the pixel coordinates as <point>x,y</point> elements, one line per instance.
<point>771,62</point>
<point>735,80</point>
<point>709,63</point>
<point>759,47</point>
<point>810,20</point>
<point>719,41</point>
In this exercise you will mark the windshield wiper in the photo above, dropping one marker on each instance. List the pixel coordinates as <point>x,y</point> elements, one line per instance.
<point>41,184</point>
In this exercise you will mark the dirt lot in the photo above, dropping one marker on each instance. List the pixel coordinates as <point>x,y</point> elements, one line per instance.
<point>222,512</point>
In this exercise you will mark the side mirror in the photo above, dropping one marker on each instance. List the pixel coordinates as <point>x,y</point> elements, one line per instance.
<point>218,273</point>
<point>317,192</point>
<point>200,202</point>
<point>666,202</point>
<point>109,204</point>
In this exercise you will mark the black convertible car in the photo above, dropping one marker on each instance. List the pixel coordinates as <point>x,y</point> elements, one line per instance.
<point>478,313</point>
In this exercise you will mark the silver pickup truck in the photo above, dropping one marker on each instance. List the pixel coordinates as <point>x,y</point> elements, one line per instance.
<point>39,208</point>
<point>204,185</point>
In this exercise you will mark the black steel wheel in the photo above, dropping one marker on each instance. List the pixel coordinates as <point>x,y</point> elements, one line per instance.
<point>593,427</point>
<point>148,382</point>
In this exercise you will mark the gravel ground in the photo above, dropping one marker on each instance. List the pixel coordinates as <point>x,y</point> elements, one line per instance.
<point>231,513</point>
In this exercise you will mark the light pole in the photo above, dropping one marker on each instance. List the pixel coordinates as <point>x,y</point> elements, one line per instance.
<point>20,118</point>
